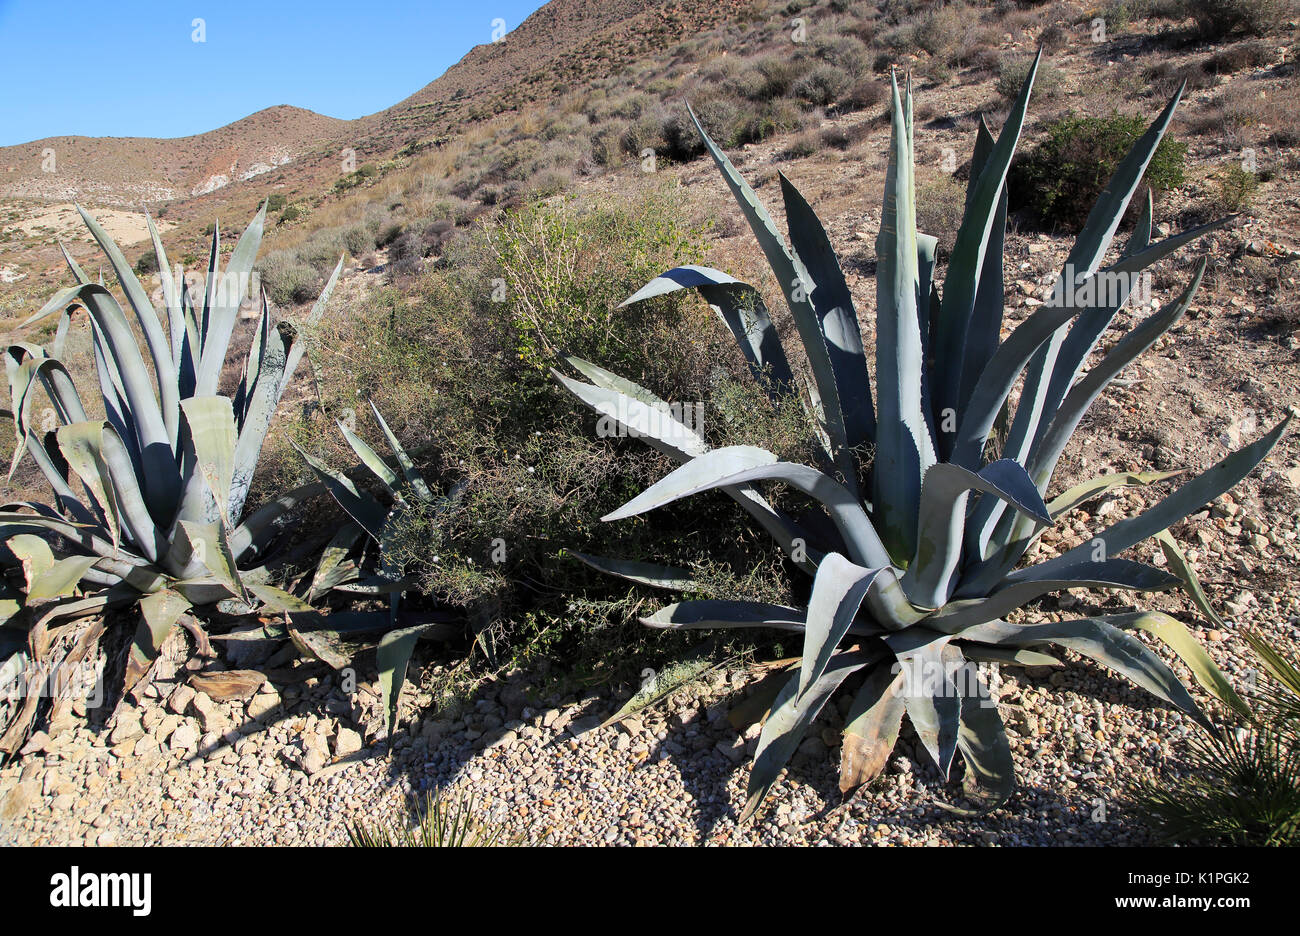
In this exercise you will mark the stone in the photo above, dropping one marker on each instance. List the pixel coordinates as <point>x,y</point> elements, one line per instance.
<point>127,728</point>
<point>499,737</point>
<point>19,800</point>
<point>179,700</point>
<point>346,741</point>
<point>262,705</point>
<point>229,685</point>
<point>184,738</point>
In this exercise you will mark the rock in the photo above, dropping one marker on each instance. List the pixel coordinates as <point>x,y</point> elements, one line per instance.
<point>245,650</point>
<point>580,726</point>
<point>19,800</point>
<point>179,700</point>
<point>38,742</point>
<point>262,705</point>
<point>106,838</point>
<point>229,685</point>
<point>346,741</point>
<point>127,728</point>
<point>184,738</point>
<point>733,750</point>
<point>499,737</point>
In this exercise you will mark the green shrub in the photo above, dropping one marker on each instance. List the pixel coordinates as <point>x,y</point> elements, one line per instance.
<point>822,86</point>
<point>147,264</point>
<point>291,213</point>
<point>1058,180</point>
<point>1236,188</point>
<point>288,280</point>
<point>276,202</point>
<point>1012,72</point>
<point>940,204</point>
<point>358,240</point>
<point>1219,19</point>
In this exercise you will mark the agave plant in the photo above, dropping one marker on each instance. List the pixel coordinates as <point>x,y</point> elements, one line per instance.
<point>360,559</point>
<point>149,500</point>
<point>920,573</point>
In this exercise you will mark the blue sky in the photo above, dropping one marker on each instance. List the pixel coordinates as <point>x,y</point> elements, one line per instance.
<point>127,68</point>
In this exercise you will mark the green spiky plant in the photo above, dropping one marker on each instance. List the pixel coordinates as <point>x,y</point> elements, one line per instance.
<point>439,823</point>
<point>920,570</point>
<point>1242,788</point>
<point>359,560</point>
<point>149,500</point>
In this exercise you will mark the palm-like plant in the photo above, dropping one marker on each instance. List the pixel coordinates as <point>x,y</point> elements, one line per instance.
<point>920,573</point>
<point>149,500</point>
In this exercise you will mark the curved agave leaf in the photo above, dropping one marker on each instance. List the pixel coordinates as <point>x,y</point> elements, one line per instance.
<point>741,309</point>
<point>743,464</point>
<point>159,612</point>
<point>156,341</point>
<point>872,726</point>
<point>686,669</point>
<point>1183,569</point>
<point>837,593</point>
<point>256,531</point>
<point>371,459</point>
<point>413,477</point>
<point>1101,639</point>
<point>982,740</point>
<point>956,616</point>
<point>791,716</point>
<point>362,508</point>
<point>1007,656</point>
<point>711,614</point>
<point>931,694</point>
<point>640,412</point>
<point>1200,490</point>
<point>1173,634</point>
<point>794,283</point>
<point>1082,493</point>
<point>643,573</point>
<point>838,320</point>
<point>333,569</point>
<point>943,517</point>
<point>259,411</point>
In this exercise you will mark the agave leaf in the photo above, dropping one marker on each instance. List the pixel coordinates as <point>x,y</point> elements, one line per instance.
<point>837,593</point>
<point>163,366</point>
<point>1104,640</point>
<point>977,237</point>
<point>686,669</point>
<point>1141,259</point>
<point>1200,490</point>
<point>838,320</point>
<point>362,508</point>
<point>171,297</point>
<point>741,309</point>
<point>943,516</point>
<point>1080,494</point>
<point>931,695</point>
<point>794,281</point>
<point>657,426</point>
<point>260,410</point>
<point>743,464</point>
<point>710,614</point>
<point>956,616</point>
<point>791,716</point>
<point>872,726</point>
<point>371,459</point>
<point>332,570</point>
<point>1140,239</point>
<point>33,553</point>
<point>643,573</point>
<point>253,534</point>
<point>413,477</point>
<point>81,446</point>
<point>224,296</point>
<point>982,739</point>
<point>1008,656</point>
<point>211,422</point>
<point>160,478</point>
<point>1183,569</point>
<point>61,580</point>
<point>159,614</point>
<point>392,656</point>
<point>1056,364</point>
<point>210,551</point>
<point>1173,634</point>
<point>904,447</point>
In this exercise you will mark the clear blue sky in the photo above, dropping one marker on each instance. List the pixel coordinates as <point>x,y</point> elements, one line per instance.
<point>131,68</point>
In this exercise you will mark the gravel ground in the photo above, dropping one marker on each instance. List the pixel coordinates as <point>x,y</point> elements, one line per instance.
<point>300,760</point>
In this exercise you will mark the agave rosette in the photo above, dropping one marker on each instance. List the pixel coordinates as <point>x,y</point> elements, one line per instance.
<point>922,569</point>
<point>149,500</point>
